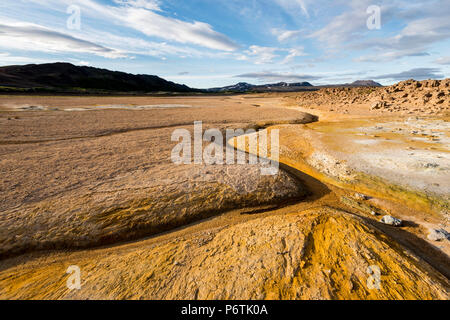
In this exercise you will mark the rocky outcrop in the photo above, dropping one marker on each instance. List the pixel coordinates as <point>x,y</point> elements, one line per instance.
<point>389,220</point>
<point>406,97</point>
<point>438,235</point>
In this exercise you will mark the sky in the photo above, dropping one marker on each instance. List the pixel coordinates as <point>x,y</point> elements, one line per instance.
<point>212,43</point>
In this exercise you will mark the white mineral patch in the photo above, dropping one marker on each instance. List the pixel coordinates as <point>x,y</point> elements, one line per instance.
<point>366,141</point>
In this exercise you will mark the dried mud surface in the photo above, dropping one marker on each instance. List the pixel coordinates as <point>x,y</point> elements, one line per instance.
<point>316,254</point>
<point>84,172</point>
<point>79,192</point>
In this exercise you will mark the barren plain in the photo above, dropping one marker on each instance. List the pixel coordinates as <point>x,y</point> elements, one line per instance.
<point>89,181</point>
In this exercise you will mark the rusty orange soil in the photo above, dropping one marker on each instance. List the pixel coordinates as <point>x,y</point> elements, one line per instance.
<point>78,182</point>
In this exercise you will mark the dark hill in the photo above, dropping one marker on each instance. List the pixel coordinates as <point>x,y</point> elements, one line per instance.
<point>66,76</point>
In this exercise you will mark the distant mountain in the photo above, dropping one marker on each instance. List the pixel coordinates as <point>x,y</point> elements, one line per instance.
<point>66,77</point>
<point>239,87</point>
<point>284,84</point>
<point>242,87</point>
<point>358,83</point>
<point>365,83</point>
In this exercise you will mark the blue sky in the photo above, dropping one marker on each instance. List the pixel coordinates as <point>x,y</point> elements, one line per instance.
<point>208,43</point>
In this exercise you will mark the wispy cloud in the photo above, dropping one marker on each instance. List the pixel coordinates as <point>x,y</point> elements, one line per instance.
<point>293,53</point>
<point>416,73</point>
<point>32,37</point>
<point>266,76</point>
<point>154,5</point>
<point>346,27</point>
<point>268,55</point>
<point>286,35</point>
<point>294,7</point>
<point>8,59</point>
<point>391,55</point>
<point>414,39</point>
<point>262,55</point>
<point>443,60</point>
<point>153,24</point>
<point>144,16</point>
<point>424,24</point>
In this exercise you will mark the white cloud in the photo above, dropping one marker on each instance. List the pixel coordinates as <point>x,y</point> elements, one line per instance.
<point>80,62</point>
<point>7,59</point>
<point>262,55</point>
<point>32,37</point>
<point>293,53</point>
<point>286,35</point>
<point>267,55</point>
<point>416,73</point>
<point>139,46</point>
<point>153,24</point>
<point>141,16</point>
<point>391,55</point>
<point>146,4</point>
<point>344,27</point>
<point>294,7</point>
<point>415,37</point>
<point>241,57</point>
<point>425,24</point>
<point>443,60</point>
<point>266,76</point>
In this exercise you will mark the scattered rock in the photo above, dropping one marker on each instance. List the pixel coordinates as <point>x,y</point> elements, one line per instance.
<point>379,105</point>
<point>438,235</point>
<point>360,196</point>
<point>389,220</point>
<point>407,95</point>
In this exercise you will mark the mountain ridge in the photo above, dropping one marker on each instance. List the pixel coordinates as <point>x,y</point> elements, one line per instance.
<point>246,87</point>
<point>61,76</point>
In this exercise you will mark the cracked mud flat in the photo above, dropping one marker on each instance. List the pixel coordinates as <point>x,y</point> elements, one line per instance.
<point>77,185</point>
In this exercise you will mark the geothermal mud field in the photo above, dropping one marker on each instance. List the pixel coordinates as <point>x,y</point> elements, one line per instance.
<point>363,186</point>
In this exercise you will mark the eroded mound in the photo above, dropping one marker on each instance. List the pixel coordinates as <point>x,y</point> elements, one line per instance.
<point>406,97</point>
<point>316,254</point>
